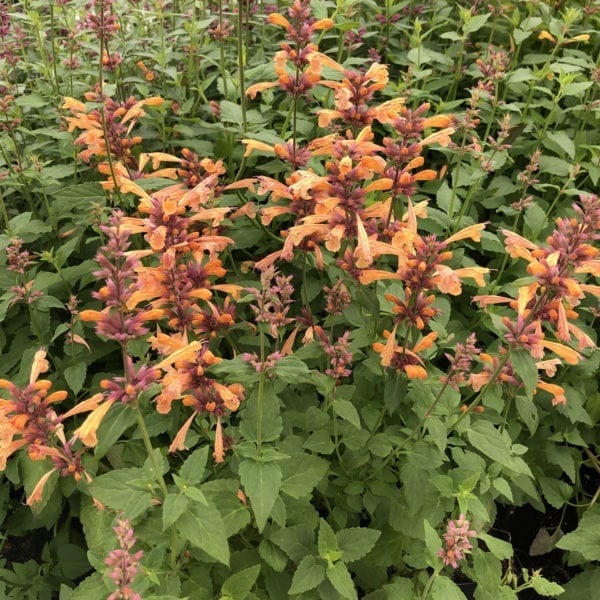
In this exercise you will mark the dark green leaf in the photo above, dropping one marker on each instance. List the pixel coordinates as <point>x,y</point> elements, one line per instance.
<point>204,528</point>
<point>75,376</point>
<point>347,411</point>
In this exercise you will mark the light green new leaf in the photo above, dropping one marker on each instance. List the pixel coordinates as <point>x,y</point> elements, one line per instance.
<point>308,575</point>
<point>356,542</point>
<point>341,580</point>
<point>261,482</point>
<point>238,586</point>
<point>204,528</point>
<point>327,542</point>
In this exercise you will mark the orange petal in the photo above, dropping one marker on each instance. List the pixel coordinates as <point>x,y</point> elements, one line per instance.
<point>179,440</point>
<point>87,431</point>
<point>36,495</point>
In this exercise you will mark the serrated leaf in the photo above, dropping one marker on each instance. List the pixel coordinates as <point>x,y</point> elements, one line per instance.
<point>586,538</point>
<point>271,423</point>
<point>117,490</point>
<point>238,586</point>
<point>296,541</point>
<point>272,555</point>
<point>341,580</point>
<point>75,376</point>
<point>544,587</point>
<point>301,473</point>
<point>432,540</point>
<point>444,588</point>
<point>347,411</point>
<point>356,542</point>
<point>193,468</point>
<point>172,509</point>
<point>308,575</point>
<point>119,418</point>
<point>561,142</point>
<point>203,527</point>
<point>327,542</point>
<point>524,366</point>
<point>261,482</point>
<point>230,112</point>
<point>475,23</point>
<point>499,548</point>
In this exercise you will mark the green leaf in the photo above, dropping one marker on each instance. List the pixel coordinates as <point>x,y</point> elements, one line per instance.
<point>347,411</point>
<point>117,490</point>
<point>524,366</point>
<point>528,411</point>
<point>544,587</point>
<point>238,586</point>
<point>499,548</point>
<point>291,370</point>
<point>432,541</point>
<point>496,445</point>
<point>444,588</point>
<point>341,580</point>
<point>327,542</point>
<point>31,473</point>
<point>91,587</point>
<point>556,492</point>
<point>296,541</point>
<point>204,528</point>
<point>586,538</point>
<point>194,466</point>
<point>261,482</point>
<point>356,542</point>
<point>272,555</point>
<point>75,376</point>
<point>231,113</point>
<point>301,473</point>
<point>31,101</point>
<point>308,575</point>
<point>118,419</point>
<point>560,142</point>
<point>475,23</point>
<point>172,509</point>
<point>270,419</point>
<point>554,166</point>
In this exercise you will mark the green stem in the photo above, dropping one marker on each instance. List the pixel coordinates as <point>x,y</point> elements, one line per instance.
<point>260,397</point>
<point>241,59</point>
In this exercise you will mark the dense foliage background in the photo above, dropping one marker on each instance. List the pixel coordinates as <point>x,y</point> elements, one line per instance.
<point>299,299</point>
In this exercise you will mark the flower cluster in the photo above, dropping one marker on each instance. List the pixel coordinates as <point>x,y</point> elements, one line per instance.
<point>456,541</point>
<point>124,564</point>
<point>549,303</point>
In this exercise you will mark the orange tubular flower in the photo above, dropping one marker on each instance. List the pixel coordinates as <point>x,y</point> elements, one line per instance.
<point>402,359</point>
